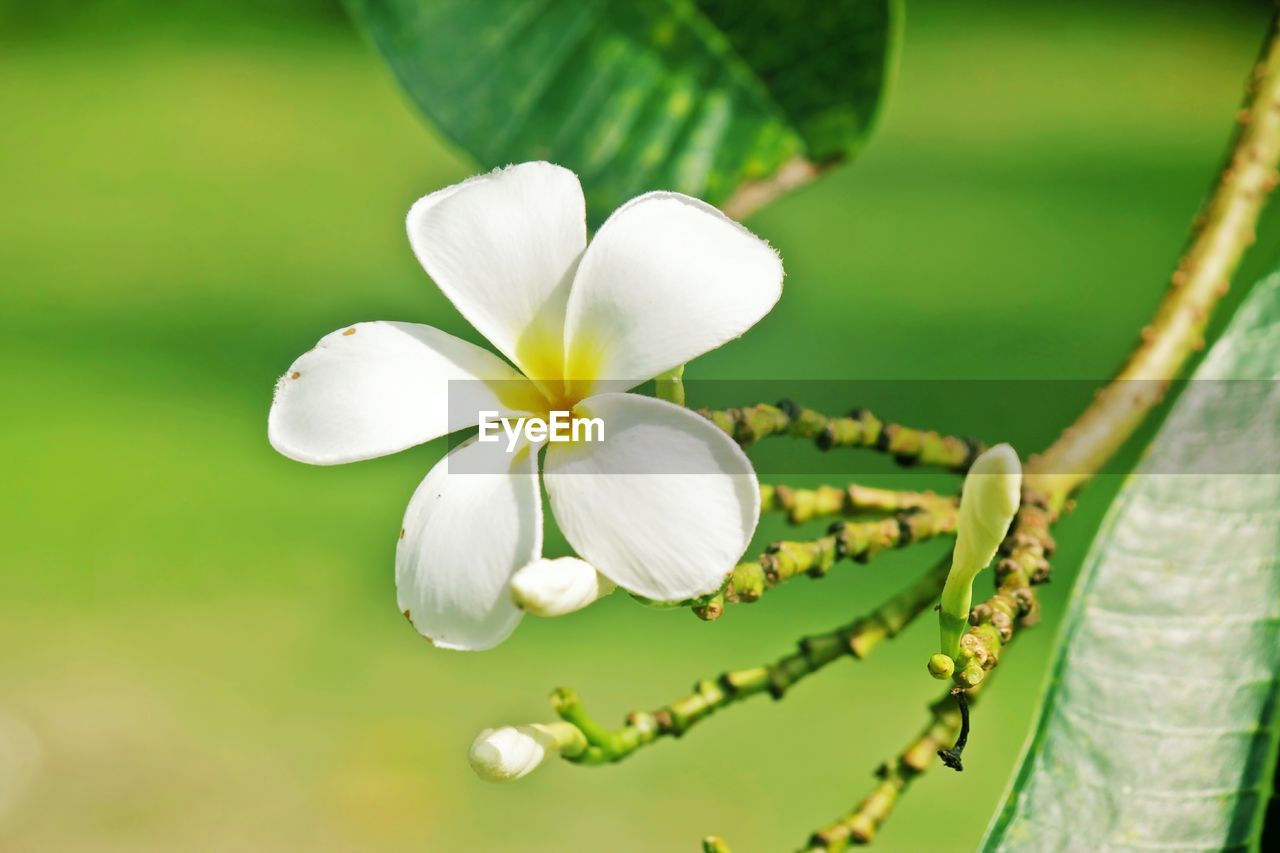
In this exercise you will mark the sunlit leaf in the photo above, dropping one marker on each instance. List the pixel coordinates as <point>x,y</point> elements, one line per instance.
<point>1158,728</point>
<point>700,96</point>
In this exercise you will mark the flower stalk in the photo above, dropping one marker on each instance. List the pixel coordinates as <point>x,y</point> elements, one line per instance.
<point>860,428</point>
<point>853,540</point>
<point>857,639</point>
<point>670,385</point>
<point>803,505</point>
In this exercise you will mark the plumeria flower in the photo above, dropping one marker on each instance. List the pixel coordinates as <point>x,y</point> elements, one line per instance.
<point>666,279</point>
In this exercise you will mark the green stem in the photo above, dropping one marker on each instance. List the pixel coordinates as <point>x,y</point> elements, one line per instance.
<point>568,738</point>
<point>855,540</point>
<point>669,386</point>
<point>1222,232</point>
<point>953,615</point>
<point>907,445</point>
<point>857,639</point>
<point>802,505</point>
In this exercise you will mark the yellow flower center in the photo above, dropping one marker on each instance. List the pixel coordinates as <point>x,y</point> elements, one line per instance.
<point>556,383</point>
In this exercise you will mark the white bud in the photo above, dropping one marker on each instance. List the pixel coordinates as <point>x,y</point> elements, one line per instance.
<point>992,491</point>
<point>510,752</point>
<point>556,587</point>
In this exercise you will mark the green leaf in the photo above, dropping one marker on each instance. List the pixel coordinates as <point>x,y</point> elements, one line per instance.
<point>1158,727</point>
<point>699,96</point>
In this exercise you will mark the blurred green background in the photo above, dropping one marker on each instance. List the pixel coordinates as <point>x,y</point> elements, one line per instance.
<point>199,644</point>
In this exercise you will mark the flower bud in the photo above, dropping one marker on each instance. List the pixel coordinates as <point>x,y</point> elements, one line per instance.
<point>992,490</point>
<point>941,666</point>
<point>556,587</point>
<point>972,674</point>
<point>510,752</point>
<point>988,503</point>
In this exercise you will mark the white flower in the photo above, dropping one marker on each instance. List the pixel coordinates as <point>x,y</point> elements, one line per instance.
<point>666,279</point>
<point>556,587</point>
<point>510,752</point>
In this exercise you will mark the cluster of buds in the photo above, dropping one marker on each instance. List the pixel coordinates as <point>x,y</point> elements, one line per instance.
<point>988,504</point>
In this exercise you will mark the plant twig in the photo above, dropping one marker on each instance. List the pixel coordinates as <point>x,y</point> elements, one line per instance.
<point>802,505</point>
<point>952,756</point>
<point>1222,232</point>
<point>861,825</point>
<point>855,540</point>
<point>857,639</point>
<point>1224,229</point>
<point>1023,565</point>
<point>860,428</point>
<point>754,195</point>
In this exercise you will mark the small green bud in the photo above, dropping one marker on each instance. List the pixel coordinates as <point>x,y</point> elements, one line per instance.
<point>941,666</point>
<point>971,675</point>
<point>556,587</point>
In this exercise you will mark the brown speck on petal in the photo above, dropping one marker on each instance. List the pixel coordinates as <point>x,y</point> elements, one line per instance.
<point>401,532</point>
<point>294,375</point>
<point>349,332</point>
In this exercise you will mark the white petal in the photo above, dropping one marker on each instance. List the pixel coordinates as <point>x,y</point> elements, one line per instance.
<point>465,534</point>
<point>664,506</point>
<point>666,279</point>
<point>503,248</point>
<point>377,388</point>
<point>559,586</point>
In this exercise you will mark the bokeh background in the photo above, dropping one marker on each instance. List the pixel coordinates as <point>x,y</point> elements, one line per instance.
<point>199,644</point>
